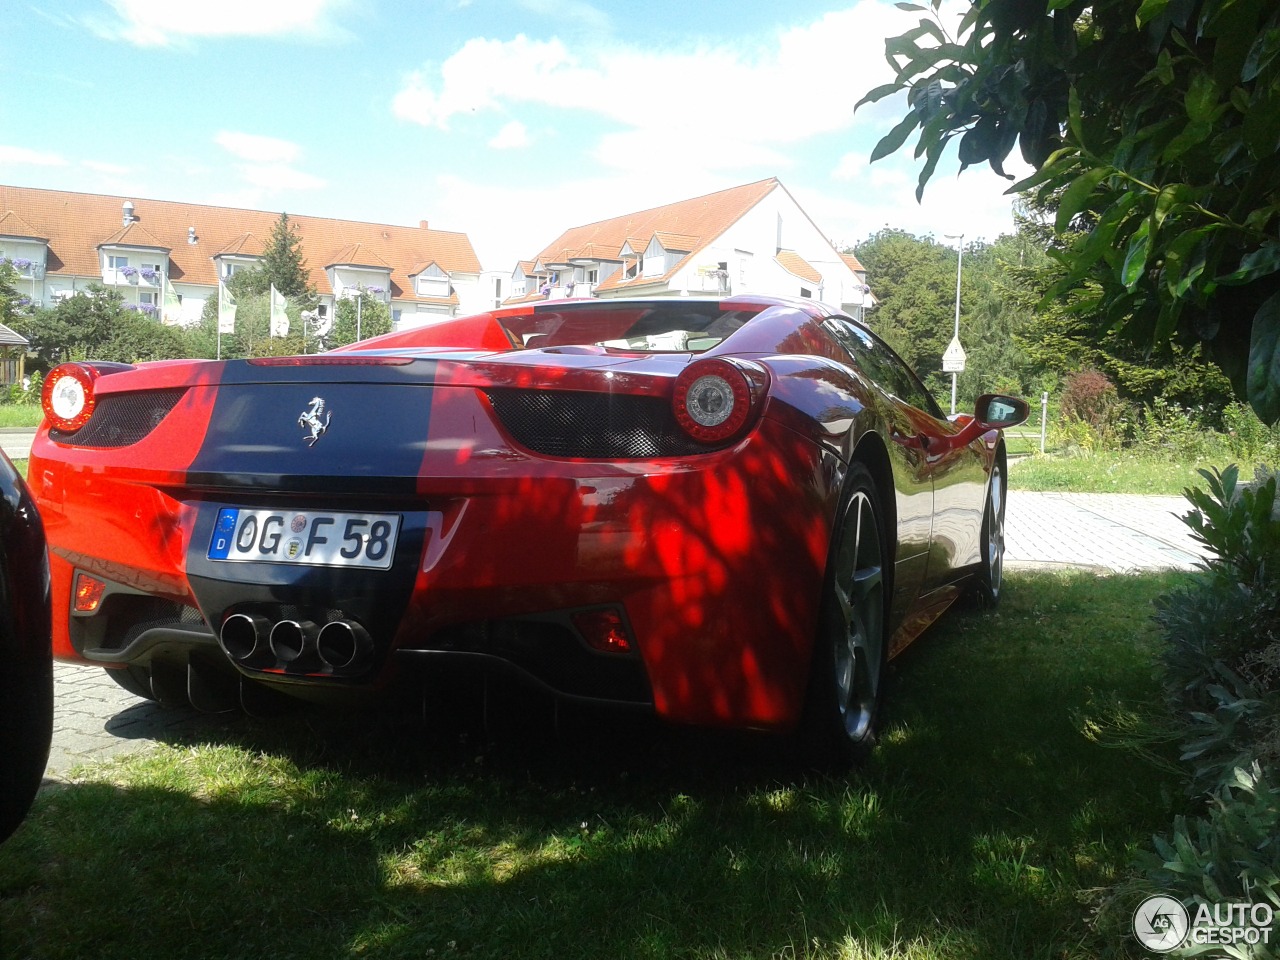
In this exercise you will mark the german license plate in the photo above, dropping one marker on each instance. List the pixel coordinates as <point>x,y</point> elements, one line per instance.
<point>305,537</point>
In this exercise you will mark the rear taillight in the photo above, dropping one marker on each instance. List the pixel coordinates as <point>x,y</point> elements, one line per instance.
<point>68,397</point>
<point>714,399</point>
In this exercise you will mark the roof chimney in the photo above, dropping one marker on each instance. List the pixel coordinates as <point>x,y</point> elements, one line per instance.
<point>126,213</point>
<point>422,224</point>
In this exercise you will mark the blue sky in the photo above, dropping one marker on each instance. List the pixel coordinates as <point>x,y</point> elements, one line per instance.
<point>509,120</point>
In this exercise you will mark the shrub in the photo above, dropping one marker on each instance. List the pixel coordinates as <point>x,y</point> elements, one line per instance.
<point>1221,670</point>
<point>1249,439</point>
<point>19,395</point>
<point>1089,396</point>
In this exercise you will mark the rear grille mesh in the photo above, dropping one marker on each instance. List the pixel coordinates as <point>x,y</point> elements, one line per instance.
<point>122,419</point>
<point>593,426</point>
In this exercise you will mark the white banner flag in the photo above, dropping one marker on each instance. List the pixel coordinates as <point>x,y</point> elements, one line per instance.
<point>279,319</point>
<point>226,310</point>
<point>171,306</point>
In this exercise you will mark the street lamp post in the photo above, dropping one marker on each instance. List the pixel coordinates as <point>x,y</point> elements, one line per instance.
<point>955,339</point>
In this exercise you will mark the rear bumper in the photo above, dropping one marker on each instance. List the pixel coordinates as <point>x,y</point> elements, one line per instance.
<point>714,562</point>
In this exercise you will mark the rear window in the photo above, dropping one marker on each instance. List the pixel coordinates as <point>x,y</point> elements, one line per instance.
<point>681,328</point>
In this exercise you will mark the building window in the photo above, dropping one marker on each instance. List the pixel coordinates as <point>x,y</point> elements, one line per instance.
<point>147,297</point>
<point>806,293</point>
<point>229,270</point>
<point>117,263</point>
<point>592,276</point>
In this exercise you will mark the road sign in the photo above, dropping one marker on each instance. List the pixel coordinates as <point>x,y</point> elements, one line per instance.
<point>953,359</point>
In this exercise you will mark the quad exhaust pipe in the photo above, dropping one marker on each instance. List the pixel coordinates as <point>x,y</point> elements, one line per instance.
<point>343,646</point>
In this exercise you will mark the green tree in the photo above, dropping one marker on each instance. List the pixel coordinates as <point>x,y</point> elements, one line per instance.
<point>1059,338</point>
<point>915,283</point>
<point>96,324</point>
<point>11,305</point>
<point>284,266</point>
<point>363,311</point>
<point>914,280</point>
<point>252,334</point>
<point>1154,126</point>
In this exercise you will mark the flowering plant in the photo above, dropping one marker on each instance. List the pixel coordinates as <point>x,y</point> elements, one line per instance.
<point>148,274</point>
<point>129,272</point>
<point>376,291</point>
<point>22,263</point>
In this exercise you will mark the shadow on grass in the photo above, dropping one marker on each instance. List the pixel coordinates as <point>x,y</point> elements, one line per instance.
<point>973,831</point>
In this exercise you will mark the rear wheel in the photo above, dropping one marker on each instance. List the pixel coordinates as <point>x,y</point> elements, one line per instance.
<point>847,670</point>
<point>991,575</point>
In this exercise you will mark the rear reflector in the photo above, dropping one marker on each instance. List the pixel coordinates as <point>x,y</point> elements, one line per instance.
<point>603,630</point>
<point>88,594</point>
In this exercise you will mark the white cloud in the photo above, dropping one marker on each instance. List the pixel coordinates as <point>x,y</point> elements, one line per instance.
<point>851,166</point>
<point>569,11</point>
<point>511,136</point>
<point>972,203</point>
<point>269,163</point>
<point>278,176</point>
<point>35,158</point>
<point>250,146</point>
<point>744,111</point>
<point>681,147</point>
<point>161,23</point>
<point>739,104</point>
<point>110,169</point>
<point>484,74</point>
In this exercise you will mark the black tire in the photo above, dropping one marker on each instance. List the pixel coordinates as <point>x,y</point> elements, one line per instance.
<point>137,680</point>
<point>990,581</point>
<point>847,669</point>
<point>26,728</point>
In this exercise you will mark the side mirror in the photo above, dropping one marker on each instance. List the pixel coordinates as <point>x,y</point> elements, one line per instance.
<point>995,411</point>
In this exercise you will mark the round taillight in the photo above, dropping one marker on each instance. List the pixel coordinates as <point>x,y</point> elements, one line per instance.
<point>68,398</point>
<point>712,400</point>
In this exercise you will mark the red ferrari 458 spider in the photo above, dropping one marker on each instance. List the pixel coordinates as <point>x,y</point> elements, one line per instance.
<point>731,512</point>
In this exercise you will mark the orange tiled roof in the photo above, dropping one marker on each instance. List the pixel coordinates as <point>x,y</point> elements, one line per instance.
<point>359,255</point>
<point>595,251</point>
<point>74,224</point>
<point>133,235</point>
<point>798,266</point>
<point>12,225</point>
<point>418,268</point>
<point>697,222</point>
<point>853,263</point>
<point>676,242</point>
<point>246,245</point>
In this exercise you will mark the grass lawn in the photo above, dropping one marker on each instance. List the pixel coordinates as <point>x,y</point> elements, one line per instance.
<point>978,829</point>
<point>20,415</point>
<point>1107,473</point>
